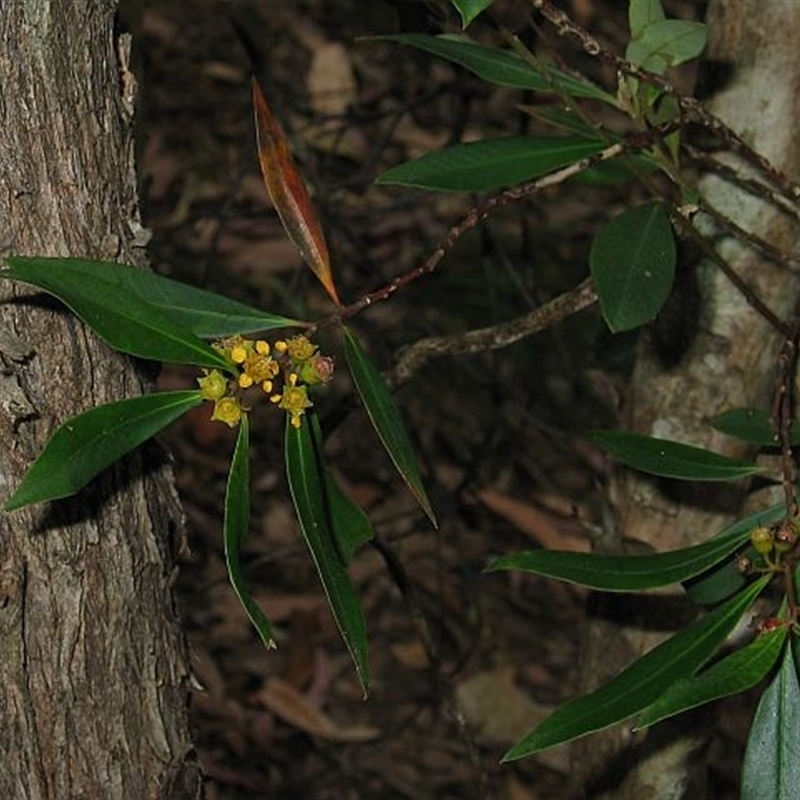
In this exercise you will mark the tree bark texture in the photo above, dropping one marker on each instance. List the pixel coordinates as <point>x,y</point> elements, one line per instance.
<point>729,363</point>
<point>93,689</point>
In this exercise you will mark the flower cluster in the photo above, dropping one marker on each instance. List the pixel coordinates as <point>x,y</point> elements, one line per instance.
<point>283,372</point>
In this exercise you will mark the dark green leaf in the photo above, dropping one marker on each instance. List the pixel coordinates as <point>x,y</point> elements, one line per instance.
<point>720,582</point>
<point>501,67</point>
<point>350,525</point>
<point>737,672</point>
<point>771,767</point>
<point>86,444</point>
<point>236,527</point>
<point>754,426</point>
<point>385,418</point>
<point>469,9</point>
<point>205,314</point>
<point>671,459</point>
<point>490,163</point>
<point>624,573</point>
<point>123,320</point>
<point>640,684</point>
<point>306,474</point>
<point>632,262</point>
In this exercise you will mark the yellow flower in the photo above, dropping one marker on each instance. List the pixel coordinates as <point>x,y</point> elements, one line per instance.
<point>294,400</point>
<point>227,410</point>
<point>300,348</point>
<point>260,367</point>
<point>213,384</point>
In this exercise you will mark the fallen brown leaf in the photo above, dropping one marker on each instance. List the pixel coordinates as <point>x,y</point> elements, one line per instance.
<point>291,706</point>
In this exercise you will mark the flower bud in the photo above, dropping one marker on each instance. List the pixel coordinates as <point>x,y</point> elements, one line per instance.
<point>785,538</point>
<point>744,565</point>
<point>762,540</point>
<point>316,370</point>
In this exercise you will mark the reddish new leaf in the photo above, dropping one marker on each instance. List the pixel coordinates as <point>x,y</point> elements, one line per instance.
<point>288,192</point>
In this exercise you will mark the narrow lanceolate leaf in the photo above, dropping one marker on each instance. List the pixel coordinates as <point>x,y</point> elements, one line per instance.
<point>624,573</point>
<point>632,261</point>
<point>491,163</point>
<point>754,426</point>
<point>385,417</point>
<point>771,765</point>
<point>307,484</point>
<point>85,445</point>
<point>236,526</point>
<point>350,526</point>
<point>469,9</point>
<point>288,193</point>
<point>642,682</point>
<point>671,459</point>
<point>125,321</point>
<point>737,672</point>
<point>205,314</point>
<point>501,67</point>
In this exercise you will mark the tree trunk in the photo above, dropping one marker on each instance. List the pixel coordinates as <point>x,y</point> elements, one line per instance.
<point>93,690</point>
<point>730,363</point>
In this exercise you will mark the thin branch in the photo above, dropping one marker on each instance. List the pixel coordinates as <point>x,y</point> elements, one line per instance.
<point>415,356</point>
<point>690,106</point>
<point>786,202</point>
<point>477,214</point>
<point>783,410</point>
<point>709,251</point>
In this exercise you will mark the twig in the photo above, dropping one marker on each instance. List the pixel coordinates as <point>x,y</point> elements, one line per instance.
<point>413,357</point>
<point>786,202</point>
<point>783,410</point>
<point>479,213</point>
<point>690,106</point>
<point>679,216</point>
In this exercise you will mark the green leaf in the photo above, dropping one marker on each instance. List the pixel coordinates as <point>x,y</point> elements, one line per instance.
<point>116,313</point>
<point>666,44</point>
<point>501,67</point>
<point>205,314</point>
<point>351,526</point>
<point>632,262</point>
<point>642,14</point>
<point>236,527</point>
<point>737,672</point>
<point>469,9</point>
<point>490,163</point>
<point>624,573</point>
<point>307,483</point>
<point>671,459</point>
<point>640,684</point>
<point>86,444</point>
<point>720,582</point>
<point>385,417</point>
<point>771,767</point>
<point>754,426</point>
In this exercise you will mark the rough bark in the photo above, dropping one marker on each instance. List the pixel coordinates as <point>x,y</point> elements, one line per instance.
<point>730,363</point>
<point>93,693</point>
